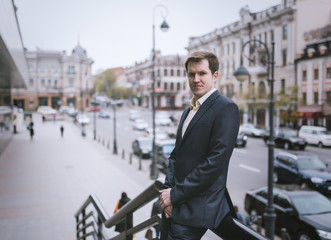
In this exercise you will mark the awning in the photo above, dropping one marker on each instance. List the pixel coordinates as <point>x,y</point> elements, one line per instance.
<point>308,115</point>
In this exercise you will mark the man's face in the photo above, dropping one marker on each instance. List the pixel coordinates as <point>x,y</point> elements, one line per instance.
<point>200,78</point>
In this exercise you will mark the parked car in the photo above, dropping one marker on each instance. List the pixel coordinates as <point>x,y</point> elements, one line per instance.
<point>46,110</point>
<point>142,146</point>
<point>241,140</point>
<point>305,169</point>
<point>134,114</point>
<point>159,133</point>
<point>251,130</point>
<point>72,112</point>
<point>82,119</point>
<point>163,149</point>
<point>305,214</point>
<point>316,135</point>
<point>286,138</point>
<point>103,114</point>
<point>139,124</point>
<point>162,119</point>
<point>93,109</point>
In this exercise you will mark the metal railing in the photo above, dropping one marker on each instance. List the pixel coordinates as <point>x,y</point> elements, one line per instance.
<point>94,222</point>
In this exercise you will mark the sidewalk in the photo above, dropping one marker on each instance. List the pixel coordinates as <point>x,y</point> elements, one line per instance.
<point>44,182</point>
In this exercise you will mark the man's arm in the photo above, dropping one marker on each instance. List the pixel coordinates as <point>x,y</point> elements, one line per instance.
<point>224,133</point>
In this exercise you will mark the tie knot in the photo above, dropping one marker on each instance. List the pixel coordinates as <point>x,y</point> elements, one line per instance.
<point>194,107</point>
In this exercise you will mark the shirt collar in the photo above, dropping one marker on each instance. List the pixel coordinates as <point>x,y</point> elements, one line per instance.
<point>195,105</point>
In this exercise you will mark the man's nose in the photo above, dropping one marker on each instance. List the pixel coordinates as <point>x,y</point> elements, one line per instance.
<point>196,78</point>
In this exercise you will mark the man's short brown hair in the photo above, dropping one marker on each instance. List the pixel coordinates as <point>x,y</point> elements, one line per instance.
<point>200,55</point>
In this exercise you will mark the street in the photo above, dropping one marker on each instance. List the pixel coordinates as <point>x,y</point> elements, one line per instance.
<point>249,163</point>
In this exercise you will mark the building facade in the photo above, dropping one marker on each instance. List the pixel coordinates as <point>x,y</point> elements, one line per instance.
<point>56,79</point>
<point>284,24</point>
<point>314,78</point>
<point>171,87</point>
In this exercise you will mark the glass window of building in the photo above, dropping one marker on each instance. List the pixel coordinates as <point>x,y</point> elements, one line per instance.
<point>328,97</point>
<point>49,82</point>
<point>304,75</point>
<point>315,97</point>
<point>165,86</point>
<point>284,53</point>
<point>285,32</point>
<point>172,86</point>
<point>46,68</point>
<point>39,68</point>
<point>184,73</point>
<point>316,74</point>
<point>158,84</point>
<point>55,83</point>
<point>30,67</point>
<point>71,69</point>
<point>158,73</point>
<point>171,72</point>
<point>165,72</point>
<point>42,82</point>
<point>31,82</point>
<point>283,85</point>
<point>52,68</point>
<point>178,73</point>
<point>328,72</point>
<point>178,86</point>
<point>304,98</point>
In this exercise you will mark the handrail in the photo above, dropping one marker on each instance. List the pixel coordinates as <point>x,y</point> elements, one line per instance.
<point>242,231</point>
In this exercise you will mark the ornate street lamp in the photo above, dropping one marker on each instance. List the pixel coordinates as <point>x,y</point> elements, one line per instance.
<point>164,27</point>
<point>241,75</point>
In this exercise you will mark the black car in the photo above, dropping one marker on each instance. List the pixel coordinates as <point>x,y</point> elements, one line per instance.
<point>287,139</point>
<point>163,149</point>
<point>241,140</point>
<point>142,146</point>
<point>305,214</point>
<point>305,169</point>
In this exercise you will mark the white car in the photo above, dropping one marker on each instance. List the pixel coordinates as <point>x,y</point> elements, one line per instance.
<point>251,130</point>
<point>159,133</point>
<point>140,124</point>
<point>316,135</point>
<point>162,119</point>
<point>46,110</point>
<point>82,119</point>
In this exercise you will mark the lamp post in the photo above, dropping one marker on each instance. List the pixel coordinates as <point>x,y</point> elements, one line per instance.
<point>94,104</point>
<point>115,143</point>
<point>241,75</point>
<point>164,27</point>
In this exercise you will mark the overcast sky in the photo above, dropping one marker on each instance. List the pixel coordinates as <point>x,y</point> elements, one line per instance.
<point>119,32</point>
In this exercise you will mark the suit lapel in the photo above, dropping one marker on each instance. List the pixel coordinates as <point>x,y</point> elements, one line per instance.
<point>202,110</point>
<point>180,125</point>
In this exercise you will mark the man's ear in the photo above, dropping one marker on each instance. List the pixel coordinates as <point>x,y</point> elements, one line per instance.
<point>215,75</point>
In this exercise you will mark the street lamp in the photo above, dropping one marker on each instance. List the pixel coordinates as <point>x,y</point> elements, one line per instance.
<point>94,104</point>
<point>164,27</point>
<point>241,75</point>
<point>114,102</point>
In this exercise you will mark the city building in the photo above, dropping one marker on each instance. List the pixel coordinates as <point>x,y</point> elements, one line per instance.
<point>285,24</point>
<point>13,71</point>
<point>313,75</point>
<point>171,88</point>
<point>56,79</point>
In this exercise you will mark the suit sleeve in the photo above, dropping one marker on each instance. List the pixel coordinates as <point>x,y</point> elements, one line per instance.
<point>169,180</point>
<point>224,132</point>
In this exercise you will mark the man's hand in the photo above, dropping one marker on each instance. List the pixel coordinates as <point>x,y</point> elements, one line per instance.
<point>165,202</point>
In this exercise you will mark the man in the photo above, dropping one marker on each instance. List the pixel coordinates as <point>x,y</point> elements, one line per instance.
<point>194,196</point>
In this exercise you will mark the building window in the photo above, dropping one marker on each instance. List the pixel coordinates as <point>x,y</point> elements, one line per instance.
<point>184,86</point>
<point>31,82</point>
<point>304,75</point>
<point>328,97</point>
<point>46,68</point>
<point>178,73</point>
<point>165,86</point>
<point>30,68</point>
<point>58,68</point>
<point>285,32</point>
<point>55,83</point>
<point>39,68</point>
<point>284,53</point>
<point>158,73</point>
<point>165,72</point>
<point>184,73</point>
<point>71,69</point>
<point>52,68</point>
<point>328,72</point>
<point>43,82</point>
<point>171,72</point>
<point>49,82</point>
<point>315,97</point>
<point>304,98</point>
<point>178,86</point>
<point>283,85</point>
<point>316,74</point>
<point>172,86</point>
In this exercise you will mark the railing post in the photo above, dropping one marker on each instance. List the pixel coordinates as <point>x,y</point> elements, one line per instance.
<point>128,225</point>
<point>130,160</point>
<point>99,233</point>
<point>140,162</point>
<point>84,222</point>
<point>123,154</point>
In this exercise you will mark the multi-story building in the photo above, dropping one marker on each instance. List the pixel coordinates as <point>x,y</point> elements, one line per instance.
<point>313,75</point>
<point>56,78</point>
<point>171,89</point>
<point>284,24</point>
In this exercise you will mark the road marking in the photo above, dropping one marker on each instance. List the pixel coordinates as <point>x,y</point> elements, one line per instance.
<point>249,168</point>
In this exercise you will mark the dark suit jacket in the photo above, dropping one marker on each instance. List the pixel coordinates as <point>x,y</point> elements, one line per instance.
<point>198,165</point>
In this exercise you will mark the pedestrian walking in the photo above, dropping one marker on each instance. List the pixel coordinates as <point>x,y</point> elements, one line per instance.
<point>120,227</point>
<point>195,197</point>
<point>62,130</point>
<point>31,133</point>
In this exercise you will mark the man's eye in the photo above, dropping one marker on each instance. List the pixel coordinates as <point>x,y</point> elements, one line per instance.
<point>202,73</point>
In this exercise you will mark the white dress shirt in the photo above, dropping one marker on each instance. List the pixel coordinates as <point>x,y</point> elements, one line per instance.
<point>194,107</point>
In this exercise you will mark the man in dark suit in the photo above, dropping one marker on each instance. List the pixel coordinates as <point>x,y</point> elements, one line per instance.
<point>194,196</point>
